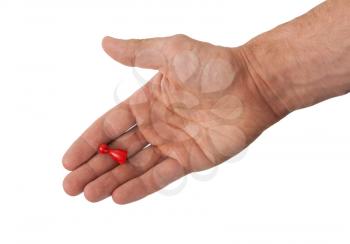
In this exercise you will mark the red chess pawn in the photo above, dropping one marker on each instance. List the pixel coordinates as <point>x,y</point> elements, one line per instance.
<point>118,155</point>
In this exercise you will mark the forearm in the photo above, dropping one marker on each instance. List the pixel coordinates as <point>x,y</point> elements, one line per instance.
<point>304,61</point>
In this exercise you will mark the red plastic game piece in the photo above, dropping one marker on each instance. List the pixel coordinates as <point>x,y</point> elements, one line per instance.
<point>118,155</point>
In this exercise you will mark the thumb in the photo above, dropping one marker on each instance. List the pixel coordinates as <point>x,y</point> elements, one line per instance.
<point>143,53</point>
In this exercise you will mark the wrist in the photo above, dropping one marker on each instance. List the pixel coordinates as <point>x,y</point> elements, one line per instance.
<point>268,69</point>
<point>304,61</point>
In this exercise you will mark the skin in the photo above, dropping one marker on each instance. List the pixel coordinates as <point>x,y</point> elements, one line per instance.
<point>207,102</point>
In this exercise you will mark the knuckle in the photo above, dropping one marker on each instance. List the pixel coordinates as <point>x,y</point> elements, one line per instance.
<point>179,41</point>
<point>180,37</point>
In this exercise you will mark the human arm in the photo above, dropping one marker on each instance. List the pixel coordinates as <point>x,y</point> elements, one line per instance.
<point>207,102</point>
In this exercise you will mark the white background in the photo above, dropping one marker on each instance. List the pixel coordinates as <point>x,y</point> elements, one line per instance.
<point>291,185</point>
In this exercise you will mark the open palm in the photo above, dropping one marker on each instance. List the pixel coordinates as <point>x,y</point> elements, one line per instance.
<point>200,109</point>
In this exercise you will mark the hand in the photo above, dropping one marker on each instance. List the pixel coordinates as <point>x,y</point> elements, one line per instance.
<point>200,109</point>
